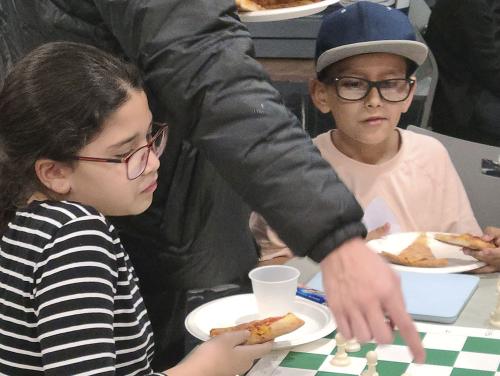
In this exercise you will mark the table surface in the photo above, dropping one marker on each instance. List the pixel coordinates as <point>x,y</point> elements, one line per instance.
<point>290,70</point>
<point>472,326</point>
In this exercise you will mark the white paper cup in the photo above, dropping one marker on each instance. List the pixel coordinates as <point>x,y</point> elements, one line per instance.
<point>274,287</point>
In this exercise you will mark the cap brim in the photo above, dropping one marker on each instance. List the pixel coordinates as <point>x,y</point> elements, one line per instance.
<point>413,50</point>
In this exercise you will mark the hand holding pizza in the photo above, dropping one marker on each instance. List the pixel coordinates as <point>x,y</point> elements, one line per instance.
<point>223,355</point>
<point>491,256</point>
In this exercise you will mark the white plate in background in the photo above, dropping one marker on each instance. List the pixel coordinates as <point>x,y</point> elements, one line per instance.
<point>387,3</point>
<point>457,260</point>
<point>280,14</point>
<point>237,309</point>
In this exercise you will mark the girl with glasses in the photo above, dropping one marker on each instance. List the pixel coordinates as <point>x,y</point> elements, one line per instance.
<point>77,144</point>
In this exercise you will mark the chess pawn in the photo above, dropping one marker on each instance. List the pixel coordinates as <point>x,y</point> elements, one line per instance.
<point>352,345</point>
<point>371,363</point>
<point>340,358</point>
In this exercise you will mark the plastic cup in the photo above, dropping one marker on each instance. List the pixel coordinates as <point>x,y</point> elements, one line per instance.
<point>274,288</point>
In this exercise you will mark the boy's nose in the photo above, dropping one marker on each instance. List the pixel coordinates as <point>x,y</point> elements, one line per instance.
<point>373,99</point>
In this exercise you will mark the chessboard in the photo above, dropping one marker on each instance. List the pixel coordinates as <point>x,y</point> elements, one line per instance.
<point>451,351</point>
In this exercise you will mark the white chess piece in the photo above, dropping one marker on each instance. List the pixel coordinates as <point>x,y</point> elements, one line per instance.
<point>495,315</point>
<point>371,362</point>
<point>353,345</point>
<point>340,358</point>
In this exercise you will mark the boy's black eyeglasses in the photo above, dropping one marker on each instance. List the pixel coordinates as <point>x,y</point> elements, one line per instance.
<point>137,160</point>
<point>355,89</point>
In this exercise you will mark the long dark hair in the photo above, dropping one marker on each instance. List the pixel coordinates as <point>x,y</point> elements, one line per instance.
<point>53,103</point>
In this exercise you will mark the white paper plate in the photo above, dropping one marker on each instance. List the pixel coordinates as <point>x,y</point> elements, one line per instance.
<point>236,309</point>
<point>285,13</point>
<point>457,260</point>
<point>387,3</point>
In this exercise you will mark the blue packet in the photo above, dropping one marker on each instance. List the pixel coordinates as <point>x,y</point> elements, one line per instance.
<point>312,294</point>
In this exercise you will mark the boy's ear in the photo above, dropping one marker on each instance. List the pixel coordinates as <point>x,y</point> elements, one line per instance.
<point>54,175</point>
<point>407,102</point>
<point>319,95</point>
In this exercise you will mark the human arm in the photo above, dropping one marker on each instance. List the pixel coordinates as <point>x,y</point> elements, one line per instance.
<point>272,247</point>
<point>270,244</point>
<point>450,200</point>
<point>221,356</point>
<point>198,61</point>
<point>198,64</point>
<point>360,288</point>
<point>75,284</point>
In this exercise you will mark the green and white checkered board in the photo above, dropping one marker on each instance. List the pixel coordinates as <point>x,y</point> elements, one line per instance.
<point>451,351</point>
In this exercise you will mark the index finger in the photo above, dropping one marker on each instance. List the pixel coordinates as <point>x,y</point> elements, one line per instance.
<point>396,312</point>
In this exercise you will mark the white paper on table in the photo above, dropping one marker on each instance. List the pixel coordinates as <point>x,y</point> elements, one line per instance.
<point>377,213</point>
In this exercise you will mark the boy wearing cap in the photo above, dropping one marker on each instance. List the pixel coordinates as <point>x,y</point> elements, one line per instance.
<point>365,57</point>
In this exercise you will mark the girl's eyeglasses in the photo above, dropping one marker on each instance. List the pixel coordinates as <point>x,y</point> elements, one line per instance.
<point>137,160</point>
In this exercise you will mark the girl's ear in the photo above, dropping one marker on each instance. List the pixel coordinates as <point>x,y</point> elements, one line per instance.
<point>319,95</point>
<point>54,175</point>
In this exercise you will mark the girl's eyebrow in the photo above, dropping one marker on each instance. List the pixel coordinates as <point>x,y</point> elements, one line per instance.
<point>124,142</point>
<point>128,140</point>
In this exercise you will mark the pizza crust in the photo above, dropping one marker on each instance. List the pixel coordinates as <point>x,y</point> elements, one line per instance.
<point>252,5</point>
<point>264,330</point>
<point>422,263</point>
<point>464,240</point>
<point>248,5</point>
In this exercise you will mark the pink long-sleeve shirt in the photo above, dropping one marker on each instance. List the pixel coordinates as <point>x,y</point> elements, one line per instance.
<point>418,188</point>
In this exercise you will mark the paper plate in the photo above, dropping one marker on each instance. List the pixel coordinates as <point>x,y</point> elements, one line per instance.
<point>236,309</point>
<point>387,3</point>
<point>457,260</point>
<point>285,13</point>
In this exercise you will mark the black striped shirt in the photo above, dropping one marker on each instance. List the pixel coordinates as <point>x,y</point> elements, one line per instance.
<point>69,298</point>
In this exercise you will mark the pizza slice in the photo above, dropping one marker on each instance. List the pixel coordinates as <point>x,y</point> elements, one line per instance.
<point>416,254</point>
<point>264,330</point>
<point>464,240</point>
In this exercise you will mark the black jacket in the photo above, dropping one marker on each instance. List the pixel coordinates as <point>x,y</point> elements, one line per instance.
<point>232,145</point>
<point>464,36</point>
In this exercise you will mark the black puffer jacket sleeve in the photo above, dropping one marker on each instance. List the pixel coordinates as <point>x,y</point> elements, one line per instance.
<point>198,64</point>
